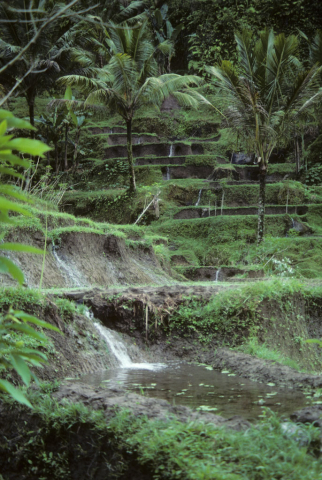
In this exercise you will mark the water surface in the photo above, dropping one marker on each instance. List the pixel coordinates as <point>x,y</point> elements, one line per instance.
<point>198,386</point>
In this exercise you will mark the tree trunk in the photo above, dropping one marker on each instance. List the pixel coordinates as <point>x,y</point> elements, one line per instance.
<point>222,201</point>
<point>298,157</point>
<point>31,104</point>
<point>75,161</point>
<point>56,158</point>
<point>32,112</point>
<point>130,155</point>
<point>66,147</point>
<point>261,203</point>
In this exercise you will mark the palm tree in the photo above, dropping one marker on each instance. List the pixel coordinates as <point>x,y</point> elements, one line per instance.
<point>92,33</point>
<point>265,96</point>
<point>128,81</point>
<point>39,65</point>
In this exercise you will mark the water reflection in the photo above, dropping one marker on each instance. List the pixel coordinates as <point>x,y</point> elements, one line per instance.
<point>195,386</point>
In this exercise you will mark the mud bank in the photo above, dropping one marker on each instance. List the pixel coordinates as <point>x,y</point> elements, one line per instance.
<point>257,369</point>
<point>147,316</point>
<point>95,438</point>
<point>79,259</point>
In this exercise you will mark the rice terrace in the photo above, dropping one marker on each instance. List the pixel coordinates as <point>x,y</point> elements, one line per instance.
<point>161,240</point>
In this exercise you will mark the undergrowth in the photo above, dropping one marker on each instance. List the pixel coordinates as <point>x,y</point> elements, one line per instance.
<point>65,437</point>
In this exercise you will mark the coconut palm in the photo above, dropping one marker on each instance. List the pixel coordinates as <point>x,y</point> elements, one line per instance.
<point>265,96</point>
<point>38,67</point>
<point>92,33</point>
<point>128,81</point>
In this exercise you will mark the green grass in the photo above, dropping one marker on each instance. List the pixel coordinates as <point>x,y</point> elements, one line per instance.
<point>20,298</point>
<point>162,449</point>
<point>252,347</point>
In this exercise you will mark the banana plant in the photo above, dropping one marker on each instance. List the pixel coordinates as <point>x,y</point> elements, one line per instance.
<point>51,131</point>
<point>164,32</point>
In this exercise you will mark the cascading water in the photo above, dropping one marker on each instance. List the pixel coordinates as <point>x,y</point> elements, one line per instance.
<point>118,348</point>
<point>199,198</point>
<point>168,173</point>
<point>70,273</point>
<point>217,274</point>
<point>171,151</point>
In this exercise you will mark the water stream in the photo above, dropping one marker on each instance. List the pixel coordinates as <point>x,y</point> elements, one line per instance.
<point>69,272</point>
<point>119,350</point>
<point>199,198</point>
<point>194,385</point>
<point>217,274</point>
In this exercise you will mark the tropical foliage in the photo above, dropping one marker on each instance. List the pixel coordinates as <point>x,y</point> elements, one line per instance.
<point>129,80</point>
<point>265,96</point>
<point>37,67</point>
<point>13,324</point>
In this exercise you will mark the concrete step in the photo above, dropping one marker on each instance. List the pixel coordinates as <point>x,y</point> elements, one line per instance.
<point>241,173</point>
<point>161,149</point>
<point>203,212</point>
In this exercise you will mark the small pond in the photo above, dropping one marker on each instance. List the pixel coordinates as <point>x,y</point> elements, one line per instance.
<point>201,387</point>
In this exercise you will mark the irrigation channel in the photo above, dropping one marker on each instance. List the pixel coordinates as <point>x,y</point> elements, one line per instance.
<point>193,385</point>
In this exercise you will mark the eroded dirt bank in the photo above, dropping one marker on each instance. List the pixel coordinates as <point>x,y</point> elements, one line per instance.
<point>84,259</point>
<point>129,310</point>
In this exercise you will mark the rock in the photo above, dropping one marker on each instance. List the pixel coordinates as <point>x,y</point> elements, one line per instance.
<point>301,227</point>
<point>309,415</point>
<point>243,159</point>
<point>114,397</point>
<point>295,432</point>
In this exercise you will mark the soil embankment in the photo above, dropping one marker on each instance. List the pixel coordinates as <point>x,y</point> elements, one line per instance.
<point>147,316</point>
<point>82,259</point>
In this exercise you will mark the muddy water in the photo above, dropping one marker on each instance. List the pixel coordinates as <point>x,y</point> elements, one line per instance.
<point>197,386</point>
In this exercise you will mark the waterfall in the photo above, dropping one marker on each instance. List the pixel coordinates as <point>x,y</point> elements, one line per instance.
<point>138,142</point>
<point>115,344</point>
<point>217,274</point>
<point>293,223</point>
<point>168,173</point>
<point>118,348</point>
<point>70,273</point>
<point>199,198</point>
<point>171,151</point>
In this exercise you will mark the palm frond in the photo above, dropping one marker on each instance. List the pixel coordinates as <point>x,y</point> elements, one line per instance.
<point>81,82</point>
<point>129,11</point>
<point>316,48</point>
<point>245,49</point>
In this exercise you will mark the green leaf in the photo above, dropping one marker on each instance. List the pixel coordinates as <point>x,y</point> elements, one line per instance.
<point>11,171</point>
<point>26,145</point>
<point>13,122</point>
<point>14,192</point>
<point>29,331</point>
<point>7,266</point>
<point>14,160</point>
<point>29,318</point>
<point>21,368</point>
<point>68,94</point>
<point>3,127</point>
<point>6,205</point>
<point>16,394</point>
<point>19,247</point>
